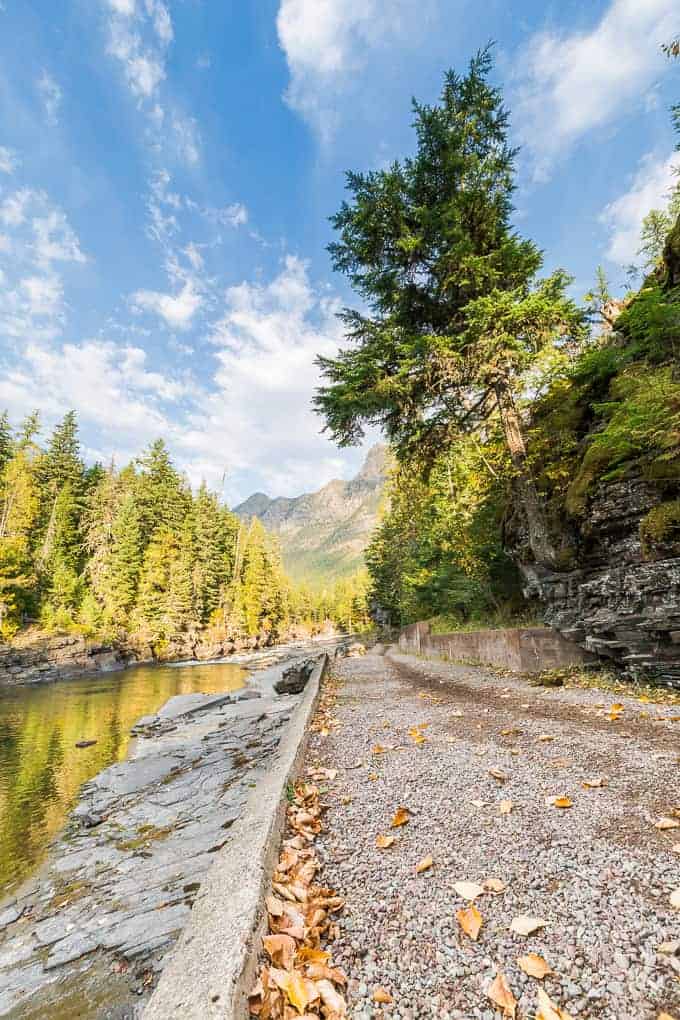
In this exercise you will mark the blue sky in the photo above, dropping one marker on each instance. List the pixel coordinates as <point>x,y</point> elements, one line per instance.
<point>167,169</point>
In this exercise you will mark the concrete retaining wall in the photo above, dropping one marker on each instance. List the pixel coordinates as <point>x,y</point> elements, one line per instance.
<point>213,967</point>
<point>522,649</point>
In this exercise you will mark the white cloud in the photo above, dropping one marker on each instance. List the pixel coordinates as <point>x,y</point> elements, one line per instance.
<point>177,310</point>
<point>571,83</point>
<point>55,240</point>
<point>8,160</point>
<point>326,42</point>
<point>186,138</point>
<point>234,215</point>
<point>256,416</point>
<point>51,95</point>
<point>623,217</point>
<point>13,209</point>
<point>124,7</point>
<point>44,294</point>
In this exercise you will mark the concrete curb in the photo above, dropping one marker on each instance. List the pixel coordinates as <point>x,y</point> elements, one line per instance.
<point>213,967</point>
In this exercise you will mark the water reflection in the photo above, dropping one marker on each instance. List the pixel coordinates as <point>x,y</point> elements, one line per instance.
<point>41,770</point>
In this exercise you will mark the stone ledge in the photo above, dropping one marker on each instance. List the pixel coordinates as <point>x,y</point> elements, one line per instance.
<point>213,967</point>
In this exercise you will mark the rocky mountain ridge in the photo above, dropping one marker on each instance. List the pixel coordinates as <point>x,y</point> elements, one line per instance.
<point>324,534</point>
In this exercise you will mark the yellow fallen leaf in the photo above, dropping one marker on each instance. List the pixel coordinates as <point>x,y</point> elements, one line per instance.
<point>424,865</point>
<point>499,992</point>
<point>468,890</point>
<point>298,990</point>
<point>675,899</point>
<point>594,784</point>
<point>547,1010</point>
<point>667,823</point>
<point>378,749</point>
<point>665,1016</point>
<point>524,925</point>
<point>346,800</point>
<point>506,807</point>
<point>497,774</point>
<point>559,802</point>
<point>534,965</point>
<point>381,995</point>
<point>373,776</point>
<point>401,817</point>
<point>545,737</point>
<point>274,906</point>
<point>676,848</point>
<point>495,885</point>
<point>383,842</point>
<point>308,955</point>
<point>470,921</point>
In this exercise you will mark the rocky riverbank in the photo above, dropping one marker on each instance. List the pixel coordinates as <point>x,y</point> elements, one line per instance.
<point>37,658</point>
<point>90,935</point>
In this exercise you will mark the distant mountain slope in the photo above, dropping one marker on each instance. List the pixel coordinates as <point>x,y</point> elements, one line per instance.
<point>324,534</point>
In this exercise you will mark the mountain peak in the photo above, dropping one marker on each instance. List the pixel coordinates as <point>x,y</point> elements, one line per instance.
<point>374,467</point>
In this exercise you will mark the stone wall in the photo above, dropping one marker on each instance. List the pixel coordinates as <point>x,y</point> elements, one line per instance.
<point>622,602</point>
<point>522,649</point>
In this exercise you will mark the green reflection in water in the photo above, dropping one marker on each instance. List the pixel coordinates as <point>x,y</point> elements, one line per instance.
<point>41,769</point>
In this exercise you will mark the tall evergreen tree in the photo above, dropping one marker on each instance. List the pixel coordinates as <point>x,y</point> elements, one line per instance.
<point>456,318</point>
<point>6,440</point>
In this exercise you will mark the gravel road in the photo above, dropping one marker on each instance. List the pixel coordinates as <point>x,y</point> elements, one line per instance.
<point>599,873</point>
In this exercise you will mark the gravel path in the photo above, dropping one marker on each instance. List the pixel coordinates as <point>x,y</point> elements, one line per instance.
<point>599,873</point>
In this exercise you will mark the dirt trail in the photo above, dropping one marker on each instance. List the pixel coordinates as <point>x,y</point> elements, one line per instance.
<point>599,873</point>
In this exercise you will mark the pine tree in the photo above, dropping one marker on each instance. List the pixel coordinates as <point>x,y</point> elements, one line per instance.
<point>124,558</point>
<point>456,317</point>
<point>19,508</point>
<point>6,441</point>
<point>151,609</point>
<point>164,499</point>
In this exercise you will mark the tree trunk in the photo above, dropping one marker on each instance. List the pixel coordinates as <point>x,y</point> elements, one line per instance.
<point>539,536</point>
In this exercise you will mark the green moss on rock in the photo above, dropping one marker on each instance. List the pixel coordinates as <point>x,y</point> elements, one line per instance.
<point>660,529</point>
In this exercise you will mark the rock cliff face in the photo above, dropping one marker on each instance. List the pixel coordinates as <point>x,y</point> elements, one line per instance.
<point>323,534</point>
<point>622,602</point>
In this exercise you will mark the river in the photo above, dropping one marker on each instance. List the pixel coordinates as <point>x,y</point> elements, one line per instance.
<point>41,769</point>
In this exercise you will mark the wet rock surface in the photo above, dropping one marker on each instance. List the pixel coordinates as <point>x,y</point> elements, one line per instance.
<point>89,936</point>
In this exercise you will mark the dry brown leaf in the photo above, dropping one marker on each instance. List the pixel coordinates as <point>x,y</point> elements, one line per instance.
<point>675,899</point>
<point>495,885</point>
<point>534,965</point>
<point>424,865</point>
<point>378,749</point>
<point>594,784</point>
<point>547,1010</point>
<point>497,774</point>
<point>468,890</point>
<point>470,921</point>
<point>506,807</point>
<point>401,816</point>
<point>545,737</point>
<point>346,801</point>
<point>382,995</point>
<point>331,998</point>
<point>524,925</point>
<point>306,954</point>
<point>477,803</point>
<point>274,906</point>
<point>280,949</point>
<point>667,823</point>
<point>383,842</point>
<point>499,992</point>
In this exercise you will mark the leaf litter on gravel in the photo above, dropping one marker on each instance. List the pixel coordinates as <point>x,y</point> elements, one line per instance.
<point>471,921</point>
<point>534,965</point>
<point>499,993</point>
<point>524,925</point>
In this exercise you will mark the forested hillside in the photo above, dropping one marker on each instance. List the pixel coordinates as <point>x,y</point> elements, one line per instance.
<point>119,552</point>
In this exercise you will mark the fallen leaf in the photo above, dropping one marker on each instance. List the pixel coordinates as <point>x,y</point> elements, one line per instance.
<point>665,1016</point>
<point>500,993</point>
<point>506,807</point>
<point>298,990</point>
<point>675,899</point>
<point>470,921</point>
<point>383,842</point>
<point>346,801</point>
<point>559,802</point>
<point>378,749</point>
<point>545,737</point>
<point>274,906</point>
<point>468,890</point>
<point>534,965</point>
<point>424,865</point>
<point>497,774</point>
<point>308,955</point>
<point>331,998</point>
<point>594,784</point>
<point>676,848</point>
<point>373,776</point>
<point>547,1010</point>
<point>401,817</point>
<point>381,995</point>
<point>669,947</point>
<point>281,950</point>
<point>495,885</point>
<point>524,925</point>
<point>477,803</point>
<point>667,823</point>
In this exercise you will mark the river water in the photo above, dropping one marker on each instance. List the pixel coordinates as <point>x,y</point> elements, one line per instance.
<point>41,769</point>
